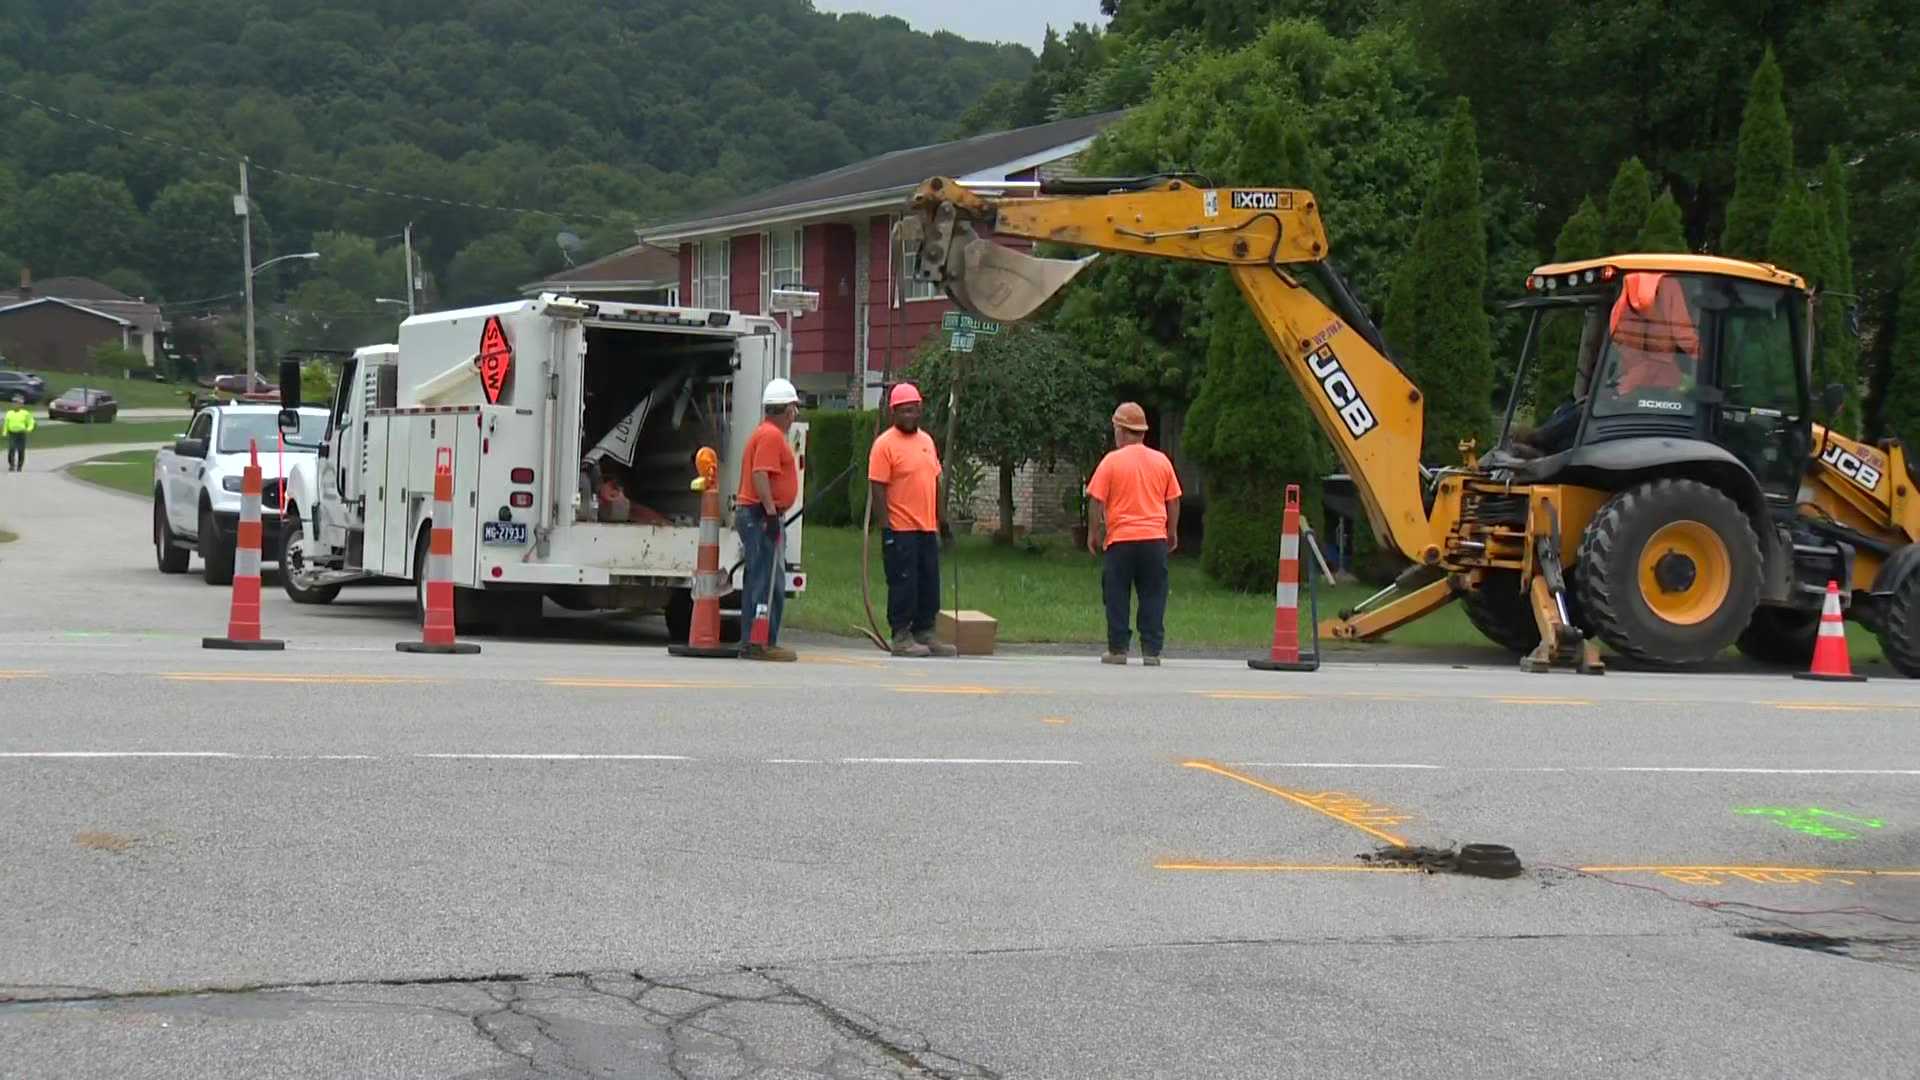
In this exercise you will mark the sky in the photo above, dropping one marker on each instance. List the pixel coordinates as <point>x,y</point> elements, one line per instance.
<point>1021,21</point>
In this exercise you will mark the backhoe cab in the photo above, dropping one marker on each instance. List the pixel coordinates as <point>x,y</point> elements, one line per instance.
<point>1682,501</point>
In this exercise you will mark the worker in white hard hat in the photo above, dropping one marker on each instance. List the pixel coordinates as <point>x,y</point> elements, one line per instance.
<point>769,486</point>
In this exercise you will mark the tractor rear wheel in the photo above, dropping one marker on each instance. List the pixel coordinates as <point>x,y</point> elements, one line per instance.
<point>1783,637</point>
<point>1669,572</point>
<point>1499,610</point>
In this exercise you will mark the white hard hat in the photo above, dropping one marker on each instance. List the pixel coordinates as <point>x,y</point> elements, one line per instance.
<point>779,392</point>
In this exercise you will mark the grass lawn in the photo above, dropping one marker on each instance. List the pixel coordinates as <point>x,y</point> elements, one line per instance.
<point>130,471</point>
<point>1054,596</point>
<point>52,434</point>
<point>130,393</point>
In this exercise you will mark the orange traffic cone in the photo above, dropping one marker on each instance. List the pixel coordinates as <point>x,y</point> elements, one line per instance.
<point>1830,663</point>
<point>243,620</point>
<point>709,581</point>
<point>1285,654</point>
<point>436,631</point>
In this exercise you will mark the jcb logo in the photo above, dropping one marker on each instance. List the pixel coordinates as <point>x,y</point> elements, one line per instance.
<point>1344,396</point>
<point>1851,467</point>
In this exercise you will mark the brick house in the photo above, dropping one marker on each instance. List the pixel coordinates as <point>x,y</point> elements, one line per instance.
<point>51,325</point>
<point>832,234</point>
<point>641,274</point>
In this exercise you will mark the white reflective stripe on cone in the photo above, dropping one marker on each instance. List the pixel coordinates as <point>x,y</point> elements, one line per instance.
<point>246,562</point>
<point>439,568</point>
<point>249,508</point>
<point>1287,595</point>
<point>1290,545</point>
<point>709,532</point>
<point>1832,628</point>
<point>706,586</point>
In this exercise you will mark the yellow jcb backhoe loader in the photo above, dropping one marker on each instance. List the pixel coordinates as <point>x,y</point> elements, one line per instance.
<point>1685,502</point>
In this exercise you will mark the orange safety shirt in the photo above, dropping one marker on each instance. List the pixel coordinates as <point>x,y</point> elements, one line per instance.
<point>1652,328</point>
<point>768,451</point>
<point>1134,483</point>
<point>910,468</point>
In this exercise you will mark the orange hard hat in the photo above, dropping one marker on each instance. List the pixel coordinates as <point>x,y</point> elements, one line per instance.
<point>904,394</point>
<point>1130,416</point>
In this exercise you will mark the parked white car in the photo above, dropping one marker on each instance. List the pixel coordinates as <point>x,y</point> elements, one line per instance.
<point>197,481</point>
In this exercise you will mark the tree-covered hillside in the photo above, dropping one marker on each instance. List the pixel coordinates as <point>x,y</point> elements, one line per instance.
<point>600,112</point>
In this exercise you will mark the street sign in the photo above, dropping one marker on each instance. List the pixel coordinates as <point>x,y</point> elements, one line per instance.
<point>794,301</point>
<point>954,320</point>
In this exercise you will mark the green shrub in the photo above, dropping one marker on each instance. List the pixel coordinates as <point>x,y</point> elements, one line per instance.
<point>829,452</point>
<point>1242,548</point>
<point>860,432</point>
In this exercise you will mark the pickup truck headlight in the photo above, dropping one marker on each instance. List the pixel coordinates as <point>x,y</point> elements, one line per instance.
<point>232,483</point>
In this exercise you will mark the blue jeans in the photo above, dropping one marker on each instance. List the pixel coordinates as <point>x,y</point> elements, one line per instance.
<point>762,552</point>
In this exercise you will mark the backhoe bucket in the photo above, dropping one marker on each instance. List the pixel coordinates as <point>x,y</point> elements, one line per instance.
<point>995,282</point>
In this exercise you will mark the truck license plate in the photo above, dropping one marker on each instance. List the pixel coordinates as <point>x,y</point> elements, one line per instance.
<point>503,532</point>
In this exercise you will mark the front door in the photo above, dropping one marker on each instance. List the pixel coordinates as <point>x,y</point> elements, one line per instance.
<point>1763,419</point>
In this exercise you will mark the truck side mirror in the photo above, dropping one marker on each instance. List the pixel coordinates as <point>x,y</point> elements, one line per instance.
<point>1833,398</point>
<point>289,391</point>
<point>290,421</point>
<point>190,448</point>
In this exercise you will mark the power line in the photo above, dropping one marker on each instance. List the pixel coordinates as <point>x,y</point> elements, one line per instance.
<point>227,158</point>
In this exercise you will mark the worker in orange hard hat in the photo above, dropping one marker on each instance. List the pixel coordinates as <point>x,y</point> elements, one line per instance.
<point>1135,500</point>
<point>903,474</point>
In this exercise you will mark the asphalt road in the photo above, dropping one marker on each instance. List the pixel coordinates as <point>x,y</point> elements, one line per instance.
<point>577,856</point>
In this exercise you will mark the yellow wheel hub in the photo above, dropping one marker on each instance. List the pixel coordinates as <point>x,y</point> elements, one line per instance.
<point>1685,572</point>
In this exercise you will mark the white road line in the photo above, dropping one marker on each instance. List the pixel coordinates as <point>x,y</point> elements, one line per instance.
<point>791,761</point>
<point>555,757</point>
<point>953,761</point>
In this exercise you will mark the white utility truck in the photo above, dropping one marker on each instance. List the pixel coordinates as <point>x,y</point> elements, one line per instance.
<point>537,405</point>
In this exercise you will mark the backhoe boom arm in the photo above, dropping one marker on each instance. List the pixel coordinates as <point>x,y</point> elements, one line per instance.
<point>1364,404</point>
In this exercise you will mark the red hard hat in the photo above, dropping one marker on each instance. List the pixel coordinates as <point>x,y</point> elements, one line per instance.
<point>904,394</point>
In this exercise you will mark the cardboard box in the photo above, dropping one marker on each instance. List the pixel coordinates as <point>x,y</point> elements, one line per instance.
<point>971,632</point>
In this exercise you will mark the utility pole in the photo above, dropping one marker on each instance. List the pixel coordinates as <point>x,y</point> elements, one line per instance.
<point>409,242</point>
<point>243,206</point>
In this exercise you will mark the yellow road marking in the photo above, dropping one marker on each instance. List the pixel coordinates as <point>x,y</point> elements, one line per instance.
<point>23,674</point>
<point>850,661</point>
<point>1342,808</point>
<point>586,682</point>
<point>332,679</point>
<point>1809,706</point>
<point>1287,868</point>
<point>954,690</point>
<point>1249,695</point>
<point>1541,701</point>
<point>1053,720</point>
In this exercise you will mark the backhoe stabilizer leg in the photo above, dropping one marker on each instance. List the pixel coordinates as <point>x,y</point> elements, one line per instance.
<point>1560,643</point>
<point>1368,625</point>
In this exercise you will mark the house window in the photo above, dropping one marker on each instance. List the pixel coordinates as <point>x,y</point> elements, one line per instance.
<point>779,264</point>
<point>710,284</point>
<point>906,288</point>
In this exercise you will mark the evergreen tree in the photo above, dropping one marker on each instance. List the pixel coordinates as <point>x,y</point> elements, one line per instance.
<point>1582,237</point>
<point>1800,243</point>
<point>1900,402</point>
<point>1838,343</point>
<point>1436,311</point>
<point>1629,202</point>
<point>1763,165</point>
<point>1666,227</point>
<point>1249,428</point>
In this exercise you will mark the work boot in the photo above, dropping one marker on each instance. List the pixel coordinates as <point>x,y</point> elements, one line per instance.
<point>933,647</point>
<point>904,645</point>
<point>769,652</point>
<point>1116,658</point>
<point>1151,660</point>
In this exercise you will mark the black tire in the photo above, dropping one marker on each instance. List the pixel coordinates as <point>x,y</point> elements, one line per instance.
<point>169,556</point>
<point>1500,611</point>
<point>216,550</point>
<point>1783,637</point>
<point>1900,635</point>
<point>1609,573</point>
<point>290,559</point>
<point>680,620</point>
<point>420,547</point>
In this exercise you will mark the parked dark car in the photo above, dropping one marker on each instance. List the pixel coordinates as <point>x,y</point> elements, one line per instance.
<point>25,383</point>
<point>84,406</point>
<point>237,384</point>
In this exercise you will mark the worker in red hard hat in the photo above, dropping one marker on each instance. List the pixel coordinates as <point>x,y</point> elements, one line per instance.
<point>1135,500</point>
<point>903,474</point>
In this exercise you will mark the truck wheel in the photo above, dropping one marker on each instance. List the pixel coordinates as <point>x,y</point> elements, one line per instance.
<point>420,548</point>
<point>216,551</point>
<point>1900,635</point>
<point>1669,572</point>
<point>1499,610</point>
<point>171,557</point>
<point>293,565</point>
<point>1783,637</point>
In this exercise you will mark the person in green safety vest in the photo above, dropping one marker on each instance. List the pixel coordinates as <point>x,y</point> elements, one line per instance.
<point>18,424</point>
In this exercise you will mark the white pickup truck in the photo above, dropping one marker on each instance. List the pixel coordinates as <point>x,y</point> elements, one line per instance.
<point>196,484</point>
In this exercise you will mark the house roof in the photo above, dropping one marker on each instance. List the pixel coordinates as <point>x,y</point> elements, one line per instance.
<point>892,176</point>
<point>78,288</point>
<point>6,308</point>
<point>92,297</point>
<point>641,266</point>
